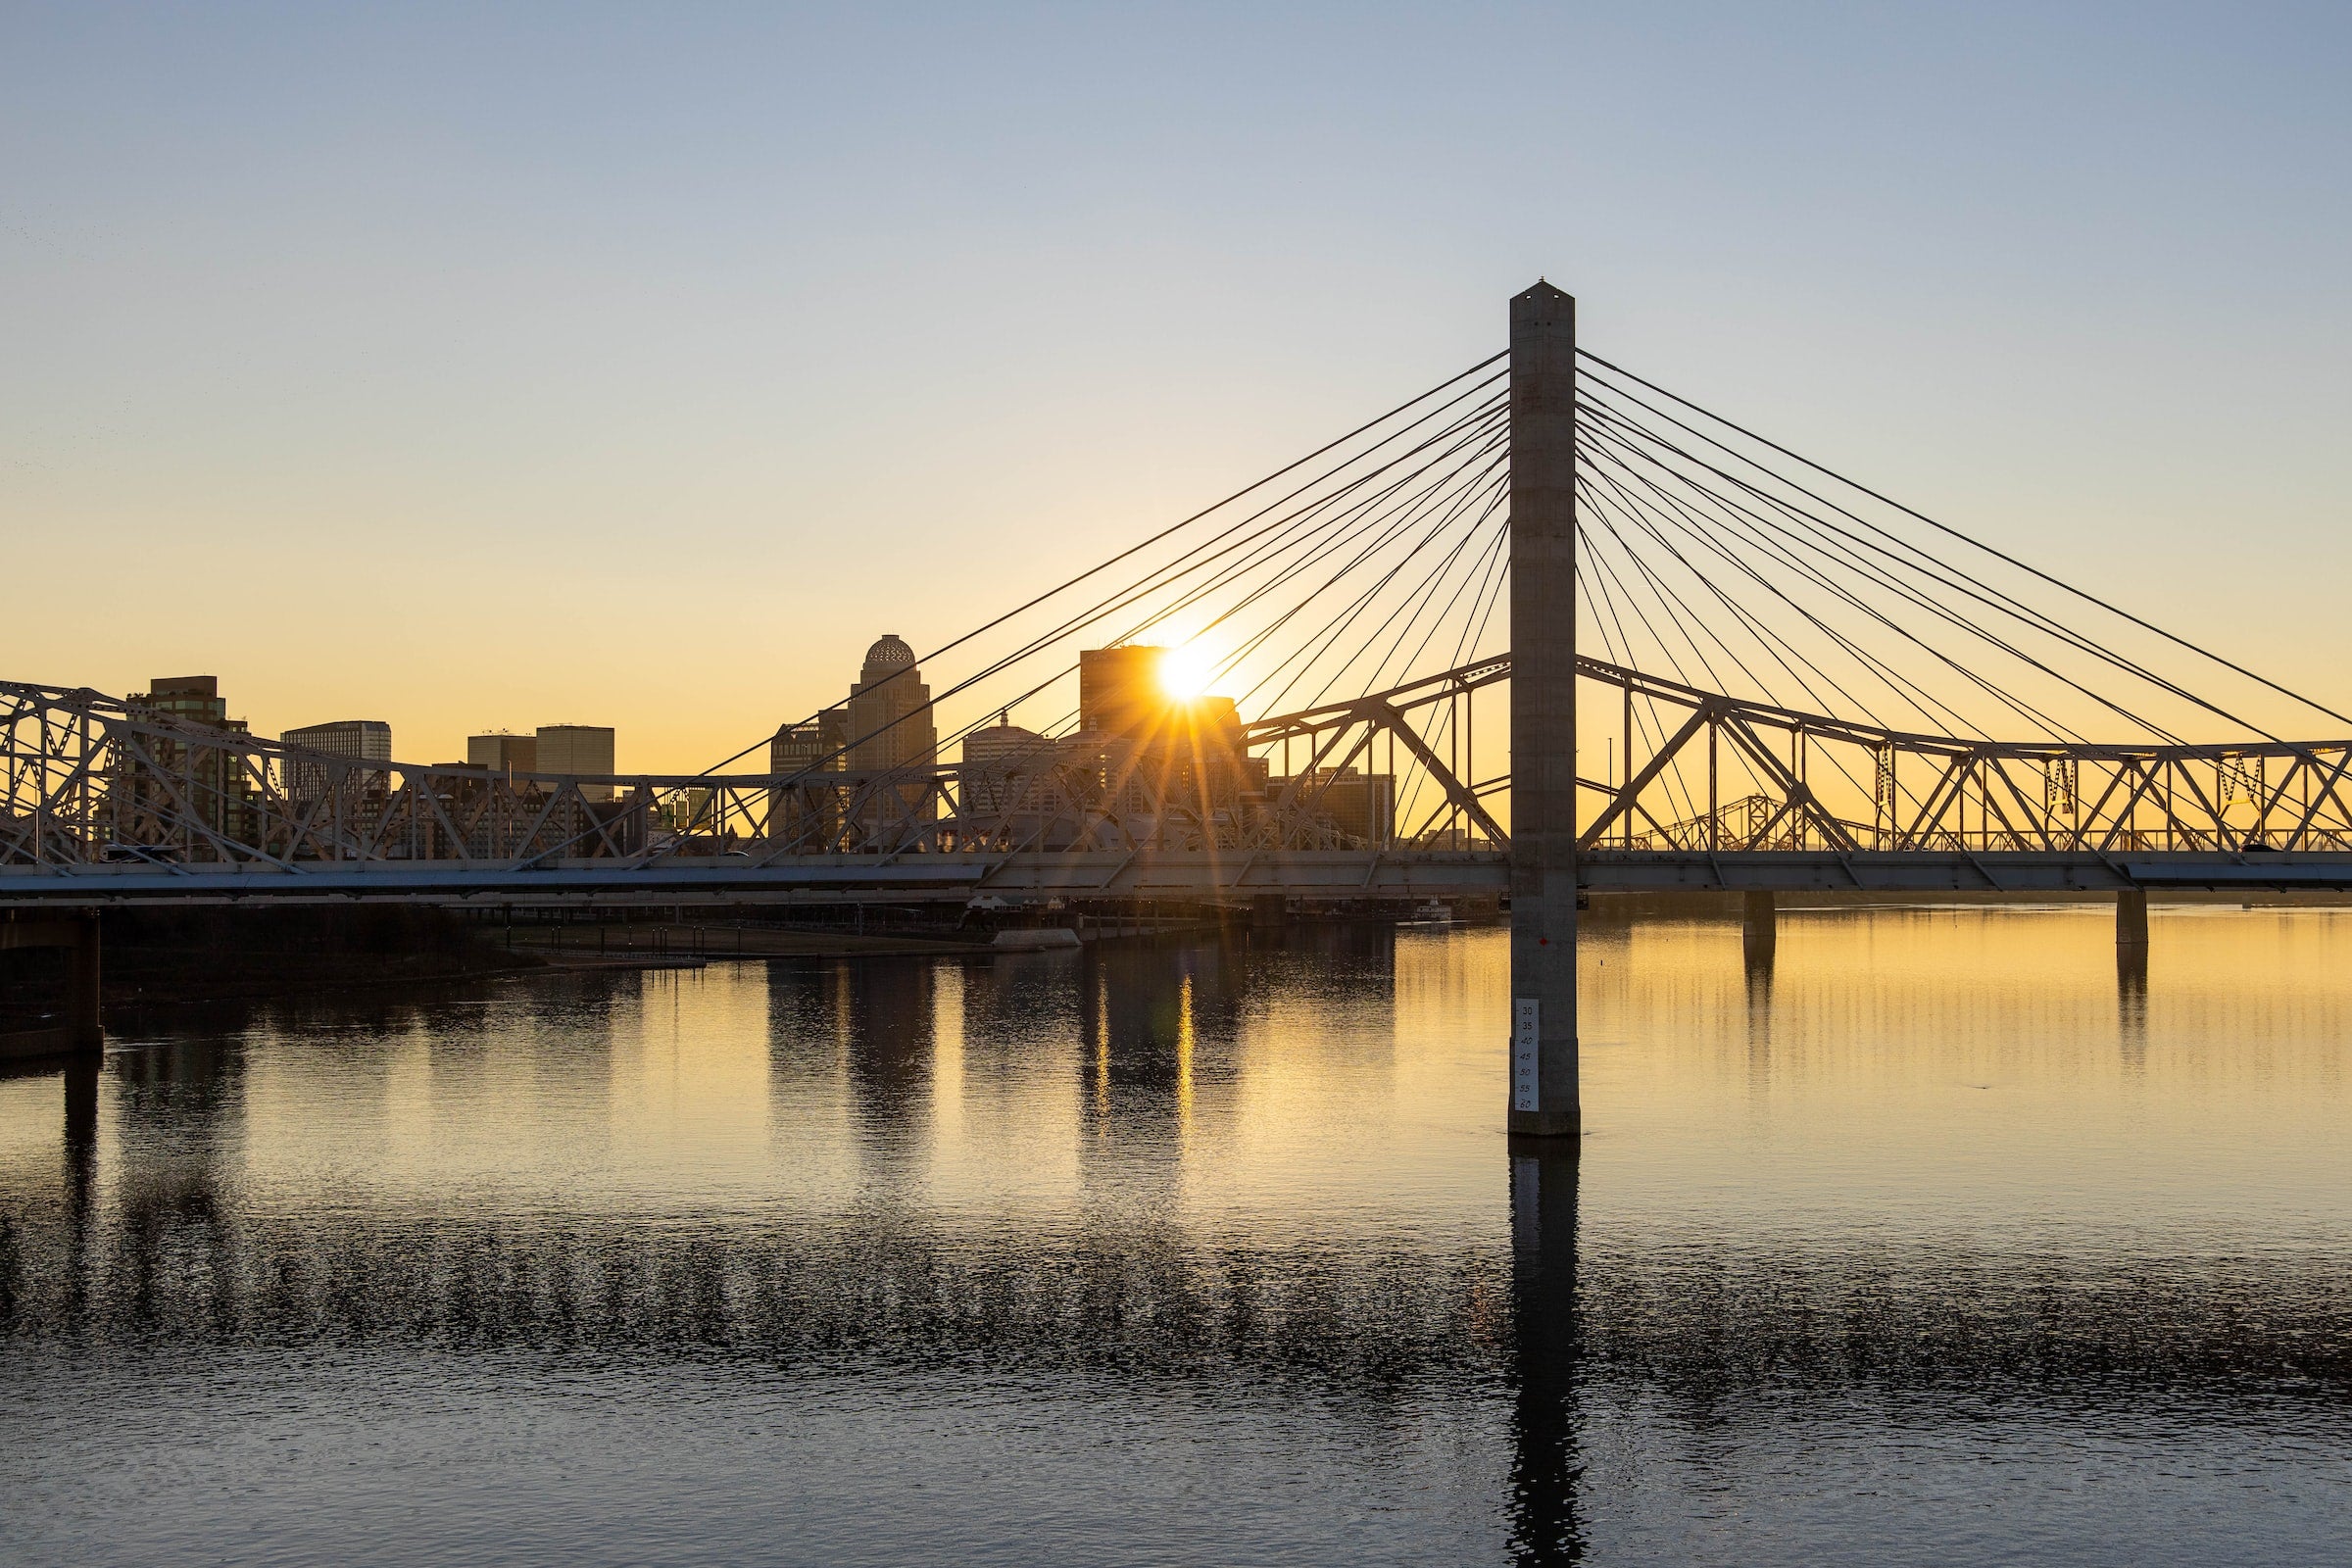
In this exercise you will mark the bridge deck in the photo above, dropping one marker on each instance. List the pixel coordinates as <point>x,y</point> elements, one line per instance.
<point>1313,874</point>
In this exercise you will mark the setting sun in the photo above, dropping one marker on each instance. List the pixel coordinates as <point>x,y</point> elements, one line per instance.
<point>1185,671</point>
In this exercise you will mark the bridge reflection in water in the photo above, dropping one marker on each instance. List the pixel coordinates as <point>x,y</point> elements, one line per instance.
<point>1216,1243</point>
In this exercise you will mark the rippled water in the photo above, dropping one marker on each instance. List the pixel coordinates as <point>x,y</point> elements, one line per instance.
<point>1936,1239</point>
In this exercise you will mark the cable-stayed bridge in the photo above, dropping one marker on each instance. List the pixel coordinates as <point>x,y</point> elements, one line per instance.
<point>1546,626</point>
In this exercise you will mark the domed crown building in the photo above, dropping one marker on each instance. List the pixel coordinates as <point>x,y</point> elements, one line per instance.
<point>890,719</point>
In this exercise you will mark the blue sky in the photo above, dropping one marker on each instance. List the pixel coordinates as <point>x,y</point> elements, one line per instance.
<point>474,365</point>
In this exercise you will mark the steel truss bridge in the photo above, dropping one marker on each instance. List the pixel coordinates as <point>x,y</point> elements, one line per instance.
<point>109,805</point>
<point>1805,688</point>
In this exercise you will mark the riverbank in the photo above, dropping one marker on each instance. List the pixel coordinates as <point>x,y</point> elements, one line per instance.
<point>620,944</point>
<point>156,963</point>
<point>155,960</point>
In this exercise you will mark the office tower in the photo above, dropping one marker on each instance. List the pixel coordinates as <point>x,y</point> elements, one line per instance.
<point>502,752</point>
<point>995,760</point>
<point>807,819</point>
<point>1150,746</point>
<point>1361,806</point>
<point>366,740</point>
<point>196,699</point>
<point>890,719</point>
<point>1119,691</point>
<point>578,749</point>
<point>178,777</point>
<point>817,743</point>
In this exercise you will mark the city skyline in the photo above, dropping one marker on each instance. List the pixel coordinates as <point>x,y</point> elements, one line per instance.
<point>2082,298</point>
<point>896,725</point>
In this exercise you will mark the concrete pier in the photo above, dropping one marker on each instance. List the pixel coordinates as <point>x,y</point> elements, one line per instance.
<point>83,1031</point>
<point>1759,926</point>
<point>85,1016</point>
<point>1544,1093</point>
<point>2132,920</point>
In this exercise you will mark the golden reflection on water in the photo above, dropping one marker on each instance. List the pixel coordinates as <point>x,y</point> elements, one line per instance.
<point>1929,1071</point>
<point>1917,1225</point>
<point>1974,1066</point>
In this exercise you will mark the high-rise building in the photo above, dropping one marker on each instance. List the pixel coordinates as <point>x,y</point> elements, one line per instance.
<point>578,749</point>
<point>817,743</point>
<point>805,817</point>
<point>194,698</point>
<point>1186,750</point>
<point>995,760</point>
<point>890,719</point>
<point>889,723</point>
<point>1362,807</point>
<point>175,778</point>
<point>367,740</point>
<point>690,811</point>
<point>502,752</point>
<point>1120,690</point>
<point>1007,747</point>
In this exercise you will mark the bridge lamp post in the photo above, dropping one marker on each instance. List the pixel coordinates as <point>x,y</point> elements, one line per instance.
<point>1542,563</point>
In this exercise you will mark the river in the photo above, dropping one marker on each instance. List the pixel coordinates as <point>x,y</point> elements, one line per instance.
<point>1934,1237</point>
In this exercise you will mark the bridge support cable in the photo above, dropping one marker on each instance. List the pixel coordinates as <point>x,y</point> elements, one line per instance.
<point>1638,720</point>
<point>1473,433</point>
<point>1980,546</point>
<point>1608,468</point>
<point>1331,636</point>
<point>1312,639</point>
<point>1611,502</point>
<point>1318,530</point>
<point>1341,447</point>
<point>1258,585</point>
<point>1944,711</point>
<point>1441,503</point>
<point>1676,514</point>
<point>1442,730</point>
<point>1348,475</point>
<point>1602,492</point>
<point>1873,574</point>
<point>1805,506</point>
<point>1712,552</point>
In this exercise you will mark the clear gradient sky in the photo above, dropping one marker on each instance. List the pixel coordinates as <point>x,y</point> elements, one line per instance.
<point>471,367</point>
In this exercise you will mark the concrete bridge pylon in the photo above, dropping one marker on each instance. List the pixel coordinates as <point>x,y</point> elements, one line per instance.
<point>1543,1101</point>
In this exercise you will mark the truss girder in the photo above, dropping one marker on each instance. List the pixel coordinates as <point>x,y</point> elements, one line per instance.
<point>90,780</point>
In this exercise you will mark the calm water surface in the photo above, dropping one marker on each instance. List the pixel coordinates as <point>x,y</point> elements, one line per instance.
<point>1936,1240</point>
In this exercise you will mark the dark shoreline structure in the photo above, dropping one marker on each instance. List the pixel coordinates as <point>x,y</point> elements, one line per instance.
<point>168,957</point>
<point>157,959</point>
<point>160,959</point>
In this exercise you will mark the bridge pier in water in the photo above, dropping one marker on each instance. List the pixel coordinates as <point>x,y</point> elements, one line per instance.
<point>1759,927</point>
<point>84,1031</point>
<point>1543,1093</point>
<point>2132,920</point>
